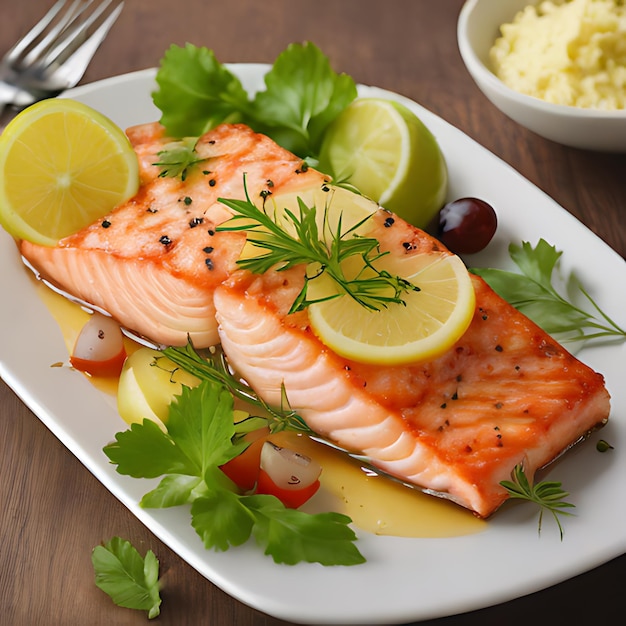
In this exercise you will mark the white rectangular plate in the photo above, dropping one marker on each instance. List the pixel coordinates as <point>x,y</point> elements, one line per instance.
<point>403,579</point>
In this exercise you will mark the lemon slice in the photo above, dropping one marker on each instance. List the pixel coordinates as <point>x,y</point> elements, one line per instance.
<point>429,323</point>
<point>62,166</point>
<point>384,150</point>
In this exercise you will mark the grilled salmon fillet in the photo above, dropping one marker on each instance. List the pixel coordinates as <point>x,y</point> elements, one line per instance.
<point>456,426</point>
<point>154,262</point>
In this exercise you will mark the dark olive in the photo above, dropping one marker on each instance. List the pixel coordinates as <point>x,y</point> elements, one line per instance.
<point>467,225</point>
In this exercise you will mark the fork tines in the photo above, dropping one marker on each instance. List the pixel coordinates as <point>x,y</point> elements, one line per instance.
<point>61,32</point>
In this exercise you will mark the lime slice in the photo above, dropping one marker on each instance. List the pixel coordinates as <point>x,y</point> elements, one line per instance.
<point>429,323</point>
<point>388,154</point>
<point>63,165</point>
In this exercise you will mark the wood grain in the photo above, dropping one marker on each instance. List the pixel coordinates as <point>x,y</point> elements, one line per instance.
<point>53,511</point>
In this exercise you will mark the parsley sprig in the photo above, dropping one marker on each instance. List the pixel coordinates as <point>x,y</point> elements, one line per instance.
<point>533,293</point>
<point>200,437</point>
<point>302,96</point>
<point>324,253</point>
<point>128,579</point>
<point>548,495</point>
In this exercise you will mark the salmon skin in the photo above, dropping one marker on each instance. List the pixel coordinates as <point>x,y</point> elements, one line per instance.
<point>154,262</point>
<point>455,426</point>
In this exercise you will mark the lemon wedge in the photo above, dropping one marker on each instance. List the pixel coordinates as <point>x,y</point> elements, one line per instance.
<point>148,384</point>
<point>63,165</point>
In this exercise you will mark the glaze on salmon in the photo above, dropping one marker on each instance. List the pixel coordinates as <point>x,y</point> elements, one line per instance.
<point>506,393</point>
<point>155,261</point>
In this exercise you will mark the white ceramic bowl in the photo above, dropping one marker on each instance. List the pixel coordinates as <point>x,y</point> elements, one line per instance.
<point>477,30</point>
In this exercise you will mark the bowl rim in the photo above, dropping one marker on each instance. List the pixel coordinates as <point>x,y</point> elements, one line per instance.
<point>482,74</point>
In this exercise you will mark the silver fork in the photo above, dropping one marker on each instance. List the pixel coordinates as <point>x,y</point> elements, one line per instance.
<point>55,53</point>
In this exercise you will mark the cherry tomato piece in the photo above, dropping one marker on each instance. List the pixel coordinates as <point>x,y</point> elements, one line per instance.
<point>243,470</point>
<point>287,474</point>
<point>291,498</point>
<point>106,369</point>
<point>99,349</point>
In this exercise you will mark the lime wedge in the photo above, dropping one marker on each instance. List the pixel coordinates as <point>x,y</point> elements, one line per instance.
<point>384,150</point>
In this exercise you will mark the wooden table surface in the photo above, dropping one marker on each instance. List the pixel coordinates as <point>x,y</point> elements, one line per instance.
<point>53,511</point>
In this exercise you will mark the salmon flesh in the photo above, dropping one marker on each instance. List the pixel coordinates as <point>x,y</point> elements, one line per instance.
<point>155,261</point>
<point>505,394</point>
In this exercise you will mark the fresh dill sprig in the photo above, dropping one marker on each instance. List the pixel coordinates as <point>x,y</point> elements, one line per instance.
<point>548,495</point>
<point>323,255</point>
<point>212,365</point>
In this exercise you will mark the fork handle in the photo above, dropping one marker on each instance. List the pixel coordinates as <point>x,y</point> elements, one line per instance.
<point>7,94</point>
<point>12,100</point>
<point>7,110</point>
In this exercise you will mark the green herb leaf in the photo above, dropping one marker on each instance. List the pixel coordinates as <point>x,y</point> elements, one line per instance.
<point>201,437</point>
<point>291,536</point>
<point>130,580</point>
<point>222,519</point>
<point>534,294</point>
<point>603,446</point>
<point>145,451</point>
<point>196,93</point>
<point>548,495</point>
<point>324,253</point>
<point>303,96</point>
<point>201,424</point>
<point>178,157</point>
<point>173,490</point>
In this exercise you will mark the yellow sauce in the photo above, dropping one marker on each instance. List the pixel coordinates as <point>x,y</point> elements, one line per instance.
<point>380,505</point>
<point>71,318</point>
<point>374,504</point>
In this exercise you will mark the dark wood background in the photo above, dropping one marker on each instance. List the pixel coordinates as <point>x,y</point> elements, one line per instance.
<point>53,511</point>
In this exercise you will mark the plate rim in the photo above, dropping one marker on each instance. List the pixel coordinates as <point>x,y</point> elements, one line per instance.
<point>159,522</point>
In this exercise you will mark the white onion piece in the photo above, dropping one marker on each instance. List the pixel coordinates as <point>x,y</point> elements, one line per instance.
<point>287,468</point>
<point>100,339</point>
